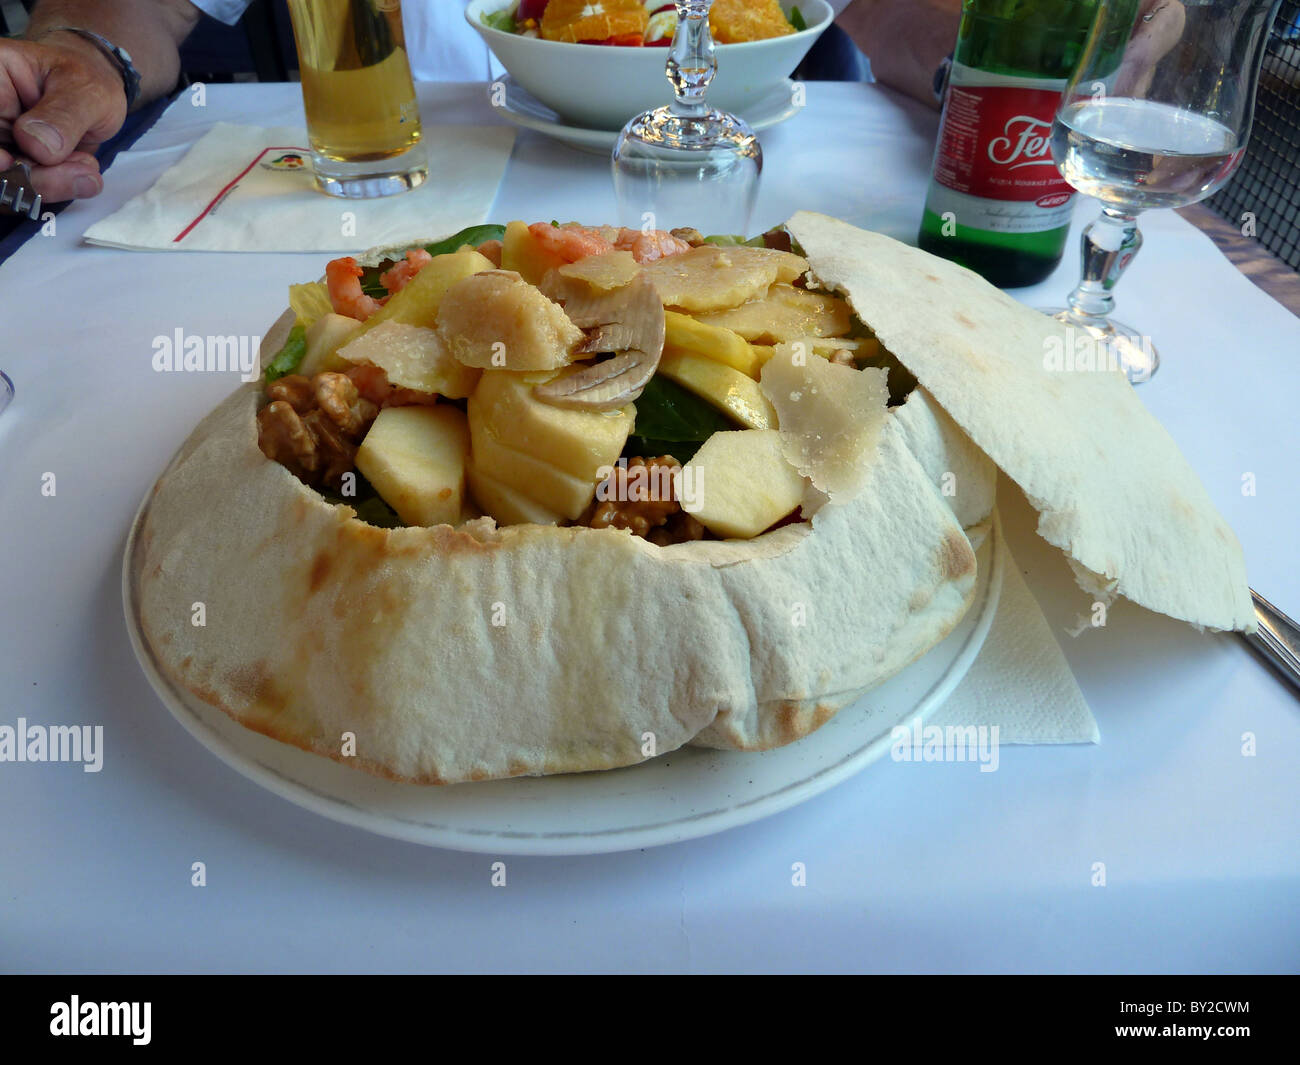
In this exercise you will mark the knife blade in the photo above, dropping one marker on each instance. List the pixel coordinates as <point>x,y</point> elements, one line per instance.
<point>1277,640</point>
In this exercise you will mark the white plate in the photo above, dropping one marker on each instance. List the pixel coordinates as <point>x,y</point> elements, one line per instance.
<point>688,793</point>
<point>525,110</point>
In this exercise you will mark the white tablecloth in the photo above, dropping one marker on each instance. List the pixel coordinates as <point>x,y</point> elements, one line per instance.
<point>909,867</point>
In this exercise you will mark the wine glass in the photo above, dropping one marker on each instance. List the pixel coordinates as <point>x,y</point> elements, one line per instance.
<point>6,390</point>
<point>1157,114</point>
<point>687,162</point>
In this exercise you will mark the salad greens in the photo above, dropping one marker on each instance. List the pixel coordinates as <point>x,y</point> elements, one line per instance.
<point>731,240</point>
<point>797,20</point>
<point>500,20</point>
<point>368,504</point>
<point>672,421</point>
<point>474,236</point>
<point>288,358</point>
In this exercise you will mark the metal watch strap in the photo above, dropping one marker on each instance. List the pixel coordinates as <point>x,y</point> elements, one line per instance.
<point>120,57</point>
<point>940,83</point>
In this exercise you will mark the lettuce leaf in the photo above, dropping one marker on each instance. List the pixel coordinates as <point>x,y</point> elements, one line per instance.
<point>288,358</point>
<point>670,420</point>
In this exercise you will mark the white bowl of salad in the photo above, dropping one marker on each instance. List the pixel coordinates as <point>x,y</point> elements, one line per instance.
<point>564,53</point>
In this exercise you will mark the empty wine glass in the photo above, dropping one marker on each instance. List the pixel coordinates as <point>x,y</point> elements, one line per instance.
<point>687,162</point>
<point>1157,114</point>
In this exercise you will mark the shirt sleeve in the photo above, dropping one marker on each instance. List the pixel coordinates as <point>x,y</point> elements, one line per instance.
<point>228,11</point>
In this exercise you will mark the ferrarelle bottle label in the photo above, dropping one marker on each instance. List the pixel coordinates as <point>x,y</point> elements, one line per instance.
<point>993,166</point>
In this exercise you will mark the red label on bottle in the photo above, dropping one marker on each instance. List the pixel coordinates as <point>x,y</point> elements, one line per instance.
<point>996,144</point>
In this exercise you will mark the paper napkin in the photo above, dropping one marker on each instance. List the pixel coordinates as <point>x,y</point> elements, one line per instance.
<point>250,188</point>
<point>1020,681</point>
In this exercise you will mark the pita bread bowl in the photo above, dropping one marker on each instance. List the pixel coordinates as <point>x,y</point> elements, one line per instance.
<point>567,498</point>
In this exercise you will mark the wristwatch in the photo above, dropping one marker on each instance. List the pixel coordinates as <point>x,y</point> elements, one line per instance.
<point>119,57</point>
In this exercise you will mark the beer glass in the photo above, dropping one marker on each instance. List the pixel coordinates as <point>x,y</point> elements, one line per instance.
<point>362,117</point>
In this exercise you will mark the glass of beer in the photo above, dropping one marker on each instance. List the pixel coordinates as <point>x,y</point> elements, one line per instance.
<point>362,116</point>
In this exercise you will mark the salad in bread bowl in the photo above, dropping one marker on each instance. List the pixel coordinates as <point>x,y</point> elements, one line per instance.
<point>554,498</point>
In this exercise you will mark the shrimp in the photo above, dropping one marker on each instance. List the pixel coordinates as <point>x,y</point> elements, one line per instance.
<point>491,250</point>
<point>647,247</point>
<point>343,279</point>
<point>372,383</point>
<point>571,242</point>
<point>397,278</point>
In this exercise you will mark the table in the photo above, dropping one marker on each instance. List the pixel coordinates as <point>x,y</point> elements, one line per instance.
<point>909,867</point>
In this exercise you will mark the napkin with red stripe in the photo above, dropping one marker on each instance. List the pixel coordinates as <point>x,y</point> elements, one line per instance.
<point>250,188</point>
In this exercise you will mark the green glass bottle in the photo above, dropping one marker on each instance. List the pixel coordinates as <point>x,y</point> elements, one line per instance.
<point>997,202</point>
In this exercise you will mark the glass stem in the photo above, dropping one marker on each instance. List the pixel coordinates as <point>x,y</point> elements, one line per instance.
<point>691,61</point>
<point>1109,244</point>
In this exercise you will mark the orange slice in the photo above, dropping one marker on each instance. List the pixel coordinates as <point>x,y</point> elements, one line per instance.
<point>733,21</point>
<point>593,20</point>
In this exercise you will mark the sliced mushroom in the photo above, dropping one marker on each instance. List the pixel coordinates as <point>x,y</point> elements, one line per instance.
<point>628,322</point>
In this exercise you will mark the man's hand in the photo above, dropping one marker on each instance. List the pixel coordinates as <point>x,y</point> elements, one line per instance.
<point>60,98</point>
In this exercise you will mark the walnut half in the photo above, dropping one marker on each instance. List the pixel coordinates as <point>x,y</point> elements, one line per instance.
<point>312,426</point>
<point>641,497</point>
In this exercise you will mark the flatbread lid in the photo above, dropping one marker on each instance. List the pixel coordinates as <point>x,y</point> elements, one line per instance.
<point>1109,483</point>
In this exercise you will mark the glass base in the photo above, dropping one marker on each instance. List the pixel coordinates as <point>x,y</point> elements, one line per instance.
<point>1103,343</point>
<point>672,169</point>
<point>372,178</point>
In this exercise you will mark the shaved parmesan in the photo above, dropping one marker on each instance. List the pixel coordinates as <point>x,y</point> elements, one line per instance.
<point>413,356</point>
<point>830,418</point>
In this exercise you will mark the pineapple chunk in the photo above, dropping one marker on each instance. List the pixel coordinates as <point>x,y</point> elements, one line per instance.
<point>310,302</point>
<point>576,441</point>
<point>503,503</point>
<point>683,335</point>
<point>496,319</point>
<point>785,313</point>
<point>415,458</point>
<point>788,265</point>
<point>708,278</point>
<point>523,253</point>
<point>602,273</point>
<point>745,483</point>
<point>413,357</point>
<point>727,389</point>
<point>323,338</point>
<point>547,485</point>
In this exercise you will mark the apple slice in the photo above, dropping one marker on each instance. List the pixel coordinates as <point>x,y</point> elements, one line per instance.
<point>505,504</point>
<point>577,442</point>
<point>744,483</point>
<point>415,458</point>
<point>557,491</point>
<point>323,339</point>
